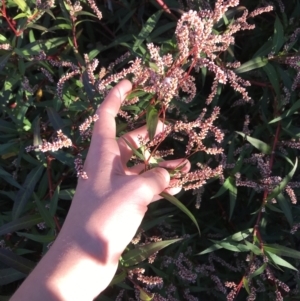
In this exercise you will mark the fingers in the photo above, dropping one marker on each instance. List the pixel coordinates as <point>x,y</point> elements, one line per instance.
<point>183,164</point>
<point>156,180</point>
<point>105,127</point>
<point>132,138</point>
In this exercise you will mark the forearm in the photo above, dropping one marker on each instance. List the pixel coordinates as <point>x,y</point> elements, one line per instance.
<point>78,266</point>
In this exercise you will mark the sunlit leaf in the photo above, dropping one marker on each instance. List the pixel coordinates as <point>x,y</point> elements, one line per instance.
<point>282,250</point>
<point>179,205</point>
<point>141,253</point>
<point>151,121</point>
<point>279,261</point>
<point>260,145</point>
<point>259,271</point>
<point>255,63</point>
<point>147,29</point>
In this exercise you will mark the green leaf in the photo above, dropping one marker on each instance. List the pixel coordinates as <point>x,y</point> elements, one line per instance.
<point>273,77</point>
<point>278,37</point>
<point>259,271</point>
<point>66,194</point>
<point>231,246</point>
<point>53,203</point>
<point>7,147</point>
<point>232,196</point>
<point>151,120</point>
<point>279,188</point>
<point>28,187</point>
<point>88,86</point>
<point>21,4</point>
<point>144,296</point>
<point>279,261</point>
<point>15,261</point>
<point>230,185</point>
<point>10,275</point>
<point>38,238</point>
<point>137,152</point>
<point>232,239</point>
<point>20,224</point>
<point>9,178</point>
<point>179,205</point>
<point>260,145</point>
<point>46,215</point>
<point>282,250</point>
<point>288,112</point>
<point>118,278</point>
<point>254,63</point>
<point>246,285</point>
<point>147,29</point>
<point>55,119</point>
<point>285,207</point>
<point>3,60</point>
<point>141,253</point>
<point>7,127</point>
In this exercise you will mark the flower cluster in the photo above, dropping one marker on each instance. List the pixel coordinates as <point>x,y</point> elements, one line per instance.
<point>59,142</point>
<point>198,47</point>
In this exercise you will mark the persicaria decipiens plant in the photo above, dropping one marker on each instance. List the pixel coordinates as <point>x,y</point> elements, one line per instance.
<point>193,84</point>
<point>164,77</point>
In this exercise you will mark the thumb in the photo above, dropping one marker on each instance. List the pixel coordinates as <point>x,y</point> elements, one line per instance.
<point>157,179</point>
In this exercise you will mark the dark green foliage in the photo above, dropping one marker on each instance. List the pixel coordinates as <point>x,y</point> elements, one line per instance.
<point>249,222</point>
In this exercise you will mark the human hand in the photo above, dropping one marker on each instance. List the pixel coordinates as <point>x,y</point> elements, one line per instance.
<point>106,212</point>
<point>113,200</point>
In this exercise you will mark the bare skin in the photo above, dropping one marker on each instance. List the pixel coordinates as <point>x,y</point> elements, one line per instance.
<point>105,214</point>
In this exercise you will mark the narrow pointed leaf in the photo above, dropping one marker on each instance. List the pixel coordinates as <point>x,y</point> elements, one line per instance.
<point>144,296</point>
<point>20,224</point>
<point>279,188</point>
<point>24,194</point>
<point>232,195</point>
<point>288,112</point>
<point>246,284</point>
<point>178,204</point>
<point>141,253</point>
<point>285,206</point>
<point>282,251</point>
<point>138,153</point>
<point>10,275</point>
<point>15,261</point>
<point>38,238</point>
<point>259,271</point>
<point>44,212</point>
<point>260,145</point>
<point>147,29</point>
<point>279,261</point>
<point>118,278</point>
<point>278,37</point>
<point>255,63</point>
<point>273,77</point>
<point>151,120</point>
<point>55,119</point>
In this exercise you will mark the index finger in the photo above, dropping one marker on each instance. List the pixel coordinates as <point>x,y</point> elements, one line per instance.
<point>105,127</point>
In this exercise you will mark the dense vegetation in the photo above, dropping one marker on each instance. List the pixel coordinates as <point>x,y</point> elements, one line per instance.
<point>224,77</point>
